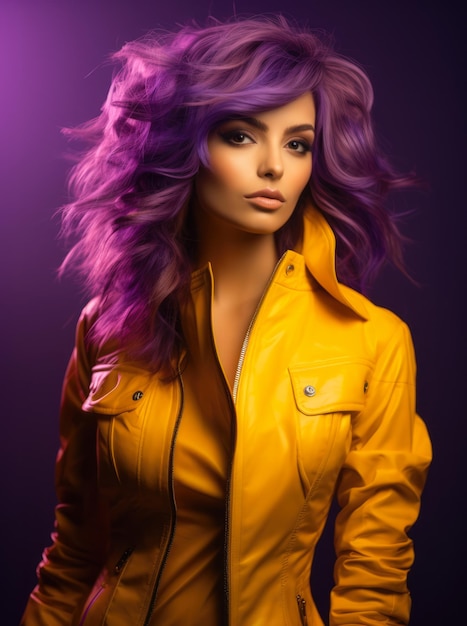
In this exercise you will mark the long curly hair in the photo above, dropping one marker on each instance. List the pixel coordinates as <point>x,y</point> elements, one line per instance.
<point>132,185</point>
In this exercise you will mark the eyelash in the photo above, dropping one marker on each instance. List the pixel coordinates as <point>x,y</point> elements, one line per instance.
<point>230,136</point>
<point>304,144</point>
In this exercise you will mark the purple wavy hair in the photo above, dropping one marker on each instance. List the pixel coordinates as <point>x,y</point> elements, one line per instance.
<point>132,186</point>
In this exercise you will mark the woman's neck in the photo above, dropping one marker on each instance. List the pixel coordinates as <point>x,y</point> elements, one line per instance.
<point>242,262</point>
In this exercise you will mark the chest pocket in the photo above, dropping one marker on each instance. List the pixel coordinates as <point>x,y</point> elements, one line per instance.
<point>115,389</point>
<point>326,396</point>
<point>118,396</point>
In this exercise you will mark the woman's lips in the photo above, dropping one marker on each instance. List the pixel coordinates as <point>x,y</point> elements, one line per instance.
<point>266,199</point>
<point>265,202</point>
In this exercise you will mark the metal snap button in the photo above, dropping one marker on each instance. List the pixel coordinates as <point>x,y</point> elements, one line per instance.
<point>365,387</point>
<point>137,395</point>
<point>309,391</point>
<point>289,269</point>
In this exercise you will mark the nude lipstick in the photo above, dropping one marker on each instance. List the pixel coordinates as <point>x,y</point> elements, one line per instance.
<point>266,199</point>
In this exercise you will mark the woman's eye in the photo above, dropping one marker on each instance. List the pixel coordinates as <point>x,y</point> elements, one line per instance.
<point>300,146</point>
<point>236,137</point>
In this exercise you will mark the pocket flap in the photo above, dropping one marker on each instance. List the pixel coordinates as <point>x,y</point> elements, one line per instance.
<point>330,386</point>
<point>115,390</point>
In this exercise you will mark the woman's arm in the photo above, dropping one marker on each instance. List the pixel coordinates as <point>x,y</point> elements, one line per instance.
<point>70,566</point>
<point>379,494</point>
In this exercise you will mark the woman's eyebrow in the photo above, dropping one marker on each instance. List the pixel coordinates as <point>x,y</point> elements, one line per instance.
<point>256,123</point>
<point>299,128</point>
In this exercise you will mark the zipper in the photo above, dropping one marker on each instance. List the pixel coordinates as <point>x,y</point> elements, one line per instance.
<point>152,602</point>
<point>122,560</point>
<point>117,569</point>
<point>232,398</point>
<point>227,535</point>
<point>228,483</point>
<point>248,332</point>
<point>301,602</point>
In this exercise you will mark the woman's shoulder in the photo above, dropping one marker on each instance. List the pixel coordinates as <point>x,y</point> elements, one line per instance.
<point>90,311</point>
<point>385,321</point>
<point>96,346</point>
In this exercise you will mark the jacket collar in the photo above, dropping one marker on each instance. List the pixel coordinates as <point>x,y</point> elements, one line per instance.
<point>319,250</point>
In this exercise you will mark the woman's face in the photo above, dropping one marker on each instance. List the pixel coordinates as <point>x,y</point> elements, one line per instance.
<point>258,168</point>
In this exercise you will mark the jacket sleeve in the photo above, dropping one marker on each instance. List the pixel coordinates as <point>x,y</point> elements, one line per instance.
<point>379,493</point>
<point>71,564</point>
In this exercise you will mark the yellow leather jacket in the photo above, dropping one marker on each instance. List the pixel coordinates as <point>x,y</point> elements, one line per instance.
<point>323,404</point>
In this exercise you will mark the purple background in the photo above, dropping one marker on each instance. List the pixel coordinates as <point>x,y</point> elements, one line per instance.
<point>53,74</point>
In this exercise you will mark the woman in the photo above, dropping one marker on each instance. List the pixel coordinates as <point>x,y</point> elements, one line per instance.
<point>226,382</point>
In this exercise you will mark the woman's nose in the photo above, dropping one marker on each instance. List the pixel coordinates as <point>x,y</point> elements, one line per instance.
<point>271,164</point>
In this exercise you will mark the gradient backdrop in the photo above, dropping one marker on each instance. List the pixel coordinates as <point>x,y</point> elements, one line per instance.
<point>53,74</point>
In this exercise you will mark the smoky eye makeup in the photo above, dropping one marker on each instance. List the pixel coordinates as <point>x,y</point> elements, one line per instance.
<point>235,137</point>
<point>301,146</point>
<point>241,131</point>
<point>235,132</point>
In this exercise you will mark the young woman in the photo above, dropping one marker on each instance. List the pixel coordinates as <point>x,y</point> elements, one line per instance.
<point>229,378</point>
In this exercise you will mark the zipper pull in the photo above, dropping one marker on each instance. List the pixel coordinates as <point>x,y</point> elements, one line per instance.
<point>302,609</point>
<point>122,560</point>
